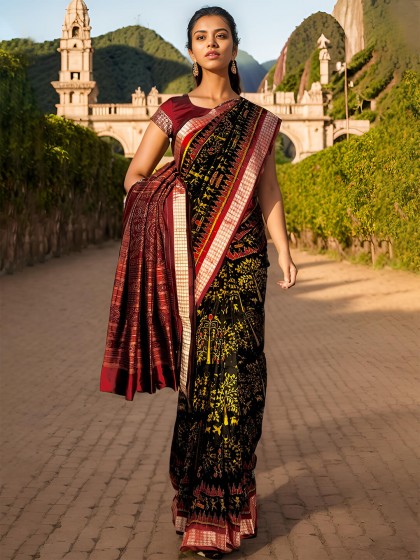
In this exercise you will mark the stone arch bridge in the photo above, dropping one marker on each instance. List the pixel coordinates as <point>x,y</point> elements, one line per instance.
<point>305,125</point>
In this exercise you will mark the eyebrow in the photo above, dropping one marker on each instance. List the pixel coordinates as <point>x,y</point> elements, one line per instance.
<point>205,31</point>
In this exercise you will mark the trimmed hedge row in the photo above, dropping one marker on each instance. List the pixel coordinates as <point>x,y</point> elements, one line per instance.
<point>61,187</point>
<point>363,195</point>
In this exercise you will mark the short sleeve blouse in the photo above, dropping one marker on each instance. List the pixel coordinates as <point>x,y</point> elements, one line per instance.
<point>175,112</point>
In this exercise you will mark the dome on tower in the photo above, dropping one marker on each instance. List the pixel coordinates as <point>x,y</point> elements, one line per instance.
<point>77,12</point>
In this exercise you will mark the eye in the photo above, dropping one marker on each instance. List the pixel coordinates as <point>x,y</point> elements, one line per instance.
<point>199,37</point>
<point>221,36</point>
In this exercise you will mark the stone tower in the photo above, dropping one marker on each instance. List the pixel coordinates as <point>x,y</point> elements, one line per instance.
<point>76,86</point>
<point>324,59</point>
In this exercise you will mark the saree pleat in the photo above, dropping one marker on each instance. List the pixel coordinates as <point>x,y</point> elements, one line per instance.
<point>144,331</point>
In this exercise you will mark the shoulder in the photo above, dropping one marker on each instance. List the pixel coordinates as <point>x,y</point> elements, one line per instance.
<point>171,113</point>
<point>172,103</point>
<point>163,116</point>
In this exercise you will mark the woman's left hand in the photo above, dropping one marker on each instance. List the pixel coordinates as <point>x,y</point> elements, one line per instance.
<point>289,271</point>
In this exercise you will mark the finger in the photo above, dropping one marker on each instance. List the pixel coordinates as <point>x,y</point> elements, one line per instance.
<point>285,284</point>
<point>293,274</point>
<point>290,280</point>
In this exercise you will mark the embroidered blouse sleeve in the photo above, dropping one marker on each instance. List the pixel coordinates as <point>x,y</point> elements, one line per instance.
<point>162,118</point>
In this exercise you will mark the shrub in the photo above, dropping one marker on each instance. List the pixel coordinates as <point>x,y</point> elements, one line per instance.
<point>60,185</point>
<point>365,189</point>
<point>360,59</point>
<point>292,80</point>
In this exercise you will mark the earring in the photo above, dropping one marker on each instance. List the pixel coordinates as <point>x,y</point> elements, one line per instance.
<point>195,69</point>
<point>233,67</point>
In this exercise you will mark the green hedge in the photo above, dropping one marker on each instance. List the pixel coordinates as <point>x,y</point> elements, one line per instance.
<point>60,185</point>
<point>364,192</point>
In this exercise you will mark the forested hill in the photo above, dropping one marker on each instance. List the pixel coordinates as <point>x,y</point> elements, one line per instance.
<point>302,47</point>
<point>123,60</point>
<point>391,39</point>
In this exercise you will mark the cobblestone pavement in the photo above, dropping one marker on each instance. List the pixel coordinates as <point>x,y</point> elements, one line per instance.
<point>85,474</point>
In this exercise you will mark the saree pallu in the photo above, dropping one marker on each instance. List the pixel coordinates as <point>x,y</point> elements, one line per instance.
<point>143,340</point>
<point>216,289</point>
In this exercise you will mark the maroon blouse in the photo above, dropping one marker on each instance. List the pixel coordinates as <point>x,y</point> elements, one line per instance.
<point>179,110</point>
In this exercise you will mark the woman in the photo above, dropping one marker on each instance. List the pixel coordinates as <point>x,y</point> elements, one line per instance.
<point>188,301</point>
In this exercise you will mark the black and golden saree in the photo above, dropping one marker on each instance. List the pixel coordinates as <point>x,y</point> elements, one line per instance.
<point>188,311</point>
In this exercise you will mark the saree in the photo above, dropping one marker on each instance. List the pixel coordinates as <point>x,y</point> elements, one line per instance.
<point>205,329</point>
<point>143,338</point>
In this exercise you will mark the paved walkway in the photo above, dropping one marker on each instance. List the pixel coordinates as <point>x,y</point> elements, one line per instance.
<point>85,474</point>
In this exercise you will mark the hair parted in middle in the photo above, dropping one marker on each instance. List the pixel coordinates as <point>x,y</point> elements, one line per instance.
<point>215,11</point>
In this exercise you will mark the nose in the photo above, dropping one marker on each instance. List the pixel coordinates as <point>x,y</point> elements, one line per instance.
<point>212,42</point>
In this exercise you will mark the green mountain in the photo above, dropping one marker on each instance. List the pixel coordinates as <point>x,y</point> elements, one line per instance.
<point>251,71</point>
<point>302,64</point>
<point>391,39</point>
<point>123,60</point>
<point>303,40</point>
<point>364,189</point>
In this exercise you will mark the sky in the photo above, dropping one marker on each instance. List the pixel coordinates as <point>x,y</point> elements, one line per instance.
<point>263,25</point>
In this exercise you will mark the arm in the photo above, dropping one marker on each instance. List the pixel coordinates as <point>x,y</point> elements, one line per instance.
<point>271,202</point>
<point>150,151</point>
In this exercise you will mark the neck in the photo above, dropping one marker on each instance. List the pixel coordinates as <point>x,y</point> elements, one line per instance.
<point>214,87</point>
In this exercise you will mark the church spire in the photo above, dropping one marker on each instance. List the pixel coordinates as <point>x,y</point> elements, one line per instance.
<point>76,86</point>
<point>77,15</point>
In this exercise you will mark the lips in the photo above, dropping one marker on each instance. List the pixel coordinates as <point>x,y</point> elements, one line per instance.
<point>212,54</point>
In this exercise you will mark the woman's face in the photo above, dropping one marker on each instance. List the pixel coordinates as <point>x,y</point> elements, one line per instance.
<point>212,43</point>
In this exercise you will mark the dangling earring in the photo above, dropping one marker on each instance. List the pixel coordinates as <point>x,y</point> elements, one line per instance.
<point>233,67</point>
<point>195,69</point>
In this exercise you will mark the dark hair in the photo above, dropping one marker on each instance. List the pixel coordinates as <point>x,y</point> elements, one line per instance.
<point>216,11</point>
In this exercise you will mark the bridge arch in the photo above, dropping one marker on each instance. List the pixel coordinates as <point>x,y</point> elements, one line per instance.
<point>294,139</point>
<point>357,128</point>
<point>340,135</point>
<point>117,137</point>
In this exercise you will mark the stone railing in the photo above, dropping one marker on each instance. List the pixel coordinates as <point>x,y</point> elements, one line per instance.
<point>106,109</point>
<point>282,103</point>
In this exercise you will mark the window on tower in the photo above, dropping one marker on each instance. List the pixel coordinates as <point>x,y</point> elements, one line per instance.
<point>71,95</point>
<point>75,32</point>
<point>75,75</point>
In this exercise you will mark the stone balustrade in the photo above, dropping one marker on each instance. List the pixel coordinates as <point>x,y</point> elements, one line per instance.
<point>279,104</point>
<point>305,123</point>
